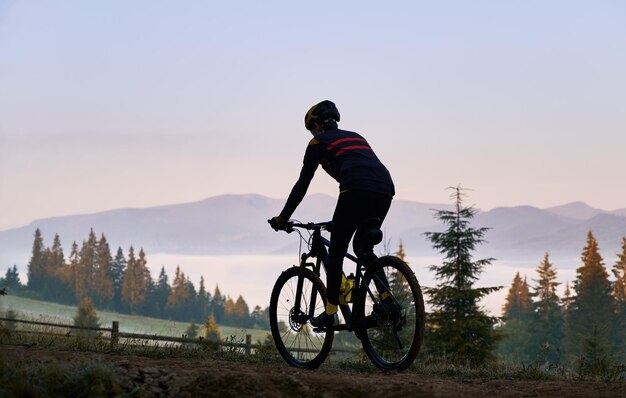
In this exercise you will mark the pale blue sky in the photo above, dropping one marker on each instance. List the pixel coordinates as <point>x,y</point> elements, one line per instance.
<point>137,103</point>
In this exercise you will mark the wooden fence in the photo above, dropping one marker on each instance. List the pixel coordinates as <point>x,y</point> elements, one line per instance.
<point>115,334</point>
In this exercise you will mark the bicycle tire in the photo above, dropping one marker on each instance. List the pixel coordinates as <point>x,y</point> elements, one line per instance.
<point>296,342</point>
<point>391,337</point>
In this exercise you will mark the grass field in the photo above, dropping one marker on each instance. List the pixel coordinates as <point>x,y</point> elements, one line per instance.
<point>43,311</point>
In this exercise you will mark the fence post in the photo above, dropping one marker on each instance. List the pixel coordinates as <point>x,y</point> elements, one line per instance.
<point>248,343</point>
<point>115,330</point>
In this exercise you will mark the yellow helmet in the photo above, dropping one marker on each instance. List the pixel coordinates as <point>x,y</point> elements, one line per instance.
<point>323,112</point>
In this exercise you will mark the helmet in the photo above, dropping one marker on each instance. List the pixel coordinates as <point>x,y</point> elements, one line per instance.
<point>321,113</point>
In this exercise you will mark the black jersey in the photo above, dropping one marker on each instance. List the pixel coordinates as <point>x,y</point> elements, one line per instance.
<point>348,158</point>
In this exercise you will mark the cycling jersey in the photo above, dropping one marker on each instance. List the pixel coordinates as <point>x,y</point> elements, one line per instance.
<point>348,158</point>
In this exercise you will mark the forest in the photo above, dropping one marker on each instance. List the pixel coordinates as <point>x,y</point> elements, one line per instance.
<point>123,283</point>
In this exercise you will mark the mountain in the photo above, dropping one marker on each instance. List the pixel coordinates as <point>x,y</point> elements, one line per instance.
<point>575,210</point>
<point>237,224</point>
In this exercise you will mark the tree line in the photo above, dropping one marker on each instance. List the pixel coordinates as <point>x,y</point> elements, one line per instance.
<point>123,283</point>
<point>587,324</point>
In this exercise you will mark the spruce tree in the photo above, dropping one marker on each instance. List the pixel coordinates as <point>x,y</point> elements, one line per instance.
<point>460,329</point>
<point>86,317</point>
<point>162,292</point>
<point>55,287</point>
<point>37,264</point>
<point>591,314</point>
<point>178,300</point>
<point>117,274</point>
<point>217,305</point>
<point>103,274</point>
<point>515,346</point>
<point>547,323</point>
<point>212,330</point>
<point>134,283</point>
<point>619,293</point>
<point>518,303</point>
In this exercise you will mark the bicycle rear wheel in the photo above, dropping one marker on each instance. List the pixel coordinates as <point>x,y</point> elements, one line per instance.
<point>394,327</point>
<point>294,337</point>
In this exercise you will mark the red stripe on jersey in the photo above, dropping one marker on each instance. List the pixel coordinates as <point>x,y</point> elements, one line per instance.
<point>342,140</point>
<point>348,148</point>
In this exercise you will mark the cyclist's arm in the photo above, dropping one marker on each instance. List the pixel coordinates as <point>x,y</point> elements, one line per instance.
<point>309,165</point>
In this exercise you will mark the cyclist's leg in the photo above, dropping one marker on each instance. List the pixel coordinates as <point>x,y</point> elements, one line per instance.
<point>353,207</point>
<point>345,222</point>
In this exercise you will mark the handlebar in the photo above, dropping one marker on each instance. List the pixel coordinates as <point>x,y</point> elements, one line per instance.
<point>326,225</point>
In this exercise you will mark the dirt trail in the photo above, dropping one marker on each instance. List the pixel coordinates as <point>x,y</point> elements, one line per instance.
<point>178,377</point>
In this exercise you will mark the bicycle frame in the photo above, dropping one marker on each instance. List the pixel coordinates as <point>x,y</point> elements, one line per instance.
<point>318,250</point>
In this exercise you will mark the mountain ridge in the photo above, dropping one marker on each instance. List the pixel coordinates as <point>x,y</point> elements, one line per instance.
<point>236,224</point>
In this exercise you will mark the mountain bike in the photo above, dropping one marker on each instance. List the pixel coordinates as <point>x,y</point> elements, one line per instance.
<point>384,308</point>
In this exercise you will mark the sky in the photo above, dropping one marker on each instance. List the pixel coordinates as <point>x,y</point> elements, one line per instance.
<point>140,103</point>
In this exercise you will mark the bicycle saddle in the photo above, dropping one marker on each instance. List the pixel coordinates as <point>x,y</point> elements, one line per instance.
<point>367,235</point>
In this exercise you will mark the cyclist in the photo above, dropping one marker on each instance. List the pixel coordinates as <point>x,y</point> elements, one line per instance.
<point>365,191</point>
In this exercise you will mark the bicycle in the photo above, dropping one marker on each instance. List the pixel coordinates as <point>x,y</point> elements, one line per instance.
<point>386,310</point>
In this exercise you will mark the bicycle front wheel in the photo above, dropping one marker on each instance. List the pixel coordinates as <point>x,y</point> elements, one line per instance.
<point>295,339</point>
<point>392,303</point>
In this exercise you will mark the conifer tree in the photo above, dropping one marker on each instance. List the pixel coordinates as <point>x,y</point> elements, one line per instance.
<point>103,274</point>
<point>86,317</point>
<point>518,303</point>
<point>134,284</point>
<point>54,286</point>
<point>11,279</point>
<point>162,292</point>
<point>547,323</point>
<point>75,274</point>
<point>229,312</point>
<point>461,330</point>
<point>118,268</point>
<point>242,312</point>
<point>212,330</point>
<point>178,300</point>
<point>204,301</point>
<point>591,315</point>
<point>515,345</point>
<point>619,293</point>
<point>37,263</point>
<point>87,268</point>
<point>217,305</point>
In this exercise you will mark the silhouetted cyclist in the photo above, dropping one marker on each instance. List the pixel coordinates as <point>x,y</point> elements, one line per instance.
<point>365,191</point>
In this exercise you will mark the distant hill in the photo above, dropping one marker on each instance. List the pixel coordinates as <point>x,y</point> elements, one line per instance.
<point>237,224</point>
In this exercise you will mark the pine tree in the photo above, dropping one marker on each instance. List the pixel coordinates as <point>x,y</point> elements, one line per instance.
<point>55,287</point>
<point>87,268</point>
<point>547,323</point>
<point>103,274</point>
<point>76,274</point>
<point>86,317</point>
<point>619,293</point>
<point>401,254</point>
<point>217,305</point>
<point>518,304</point>
<point>515,345</point>
<point>212,330</point>
<point>12,280</point>
<point>162,292</point>
<point>459,328</point>
<point>134,284</point>
<point>591,315</point>
<point>178,302</point>
<point>242,313</point>
<point>37,264</point>
<point>229,312</point>
<point>260,318</point>
<point>204,301</point>
<point>118,268</point>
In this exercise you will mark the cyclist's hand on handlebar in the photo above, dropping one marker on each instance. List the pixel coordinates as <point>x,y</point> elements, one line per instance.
<point>278,223</point>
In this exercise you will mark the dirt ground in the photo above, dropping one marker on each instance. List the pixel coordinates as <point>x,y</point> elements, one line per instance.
<point>179,377</point>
